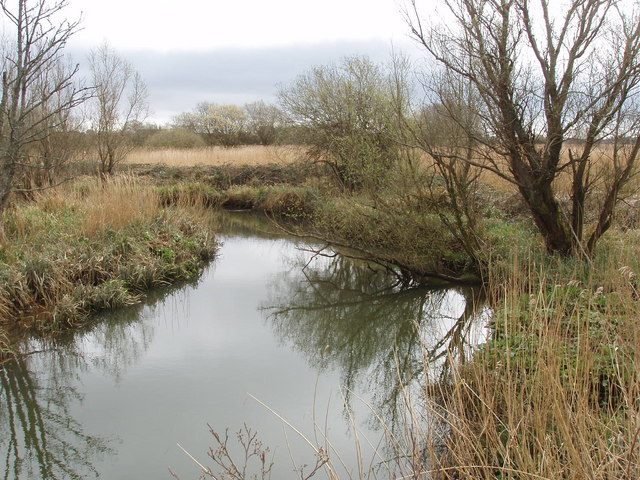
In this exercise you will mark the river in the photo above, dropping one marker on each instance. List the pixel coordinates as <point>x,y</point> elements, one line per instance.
<point>270,335</point>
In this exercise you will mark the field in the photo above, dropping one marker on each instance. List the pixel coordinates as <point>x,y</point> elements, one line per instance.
<point>244,155</point>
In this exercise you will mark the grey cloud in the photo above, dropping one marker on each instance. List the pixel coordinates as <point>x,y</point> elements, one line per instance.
<point>177,81</point>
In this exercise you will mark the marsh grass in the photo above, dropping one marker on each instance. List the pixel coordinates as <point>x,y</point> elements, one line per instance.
<point>208,156</point>
<point>94,245</point>
<point>554,393</point>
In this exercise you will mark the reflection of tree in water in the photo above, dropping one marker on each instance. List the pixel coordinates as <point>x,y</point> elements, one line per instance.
<point>341,313</point>
<point>37,433</point>
<point>39,438</point>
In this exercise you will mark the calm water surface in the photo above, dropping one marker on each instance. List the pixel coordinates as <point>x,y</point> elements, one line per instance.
<point>311,337</point>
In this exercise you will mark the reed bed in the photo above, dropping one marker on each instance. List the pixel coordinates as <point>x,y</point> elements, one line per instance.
<point>554,393</point>
<point>215,156</point>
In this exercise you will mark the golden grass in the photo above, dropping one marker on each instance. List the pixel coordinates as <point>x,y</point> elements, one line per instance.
<point>555,397</point>
<point>285,154</point>
<point>124,202</point>
<point>601,162</point>
<point>244,155</point>
<point>91,245</point>
<point>120,202</point>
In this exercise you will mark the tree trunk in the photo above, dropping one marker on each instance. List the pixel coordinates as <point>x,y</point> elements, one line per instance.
<point>548,218</point>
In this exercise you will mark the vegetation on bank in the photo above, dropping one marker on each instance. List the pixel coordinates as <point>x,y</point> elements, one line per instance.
<point>553,393</point>
<point>91,246</point>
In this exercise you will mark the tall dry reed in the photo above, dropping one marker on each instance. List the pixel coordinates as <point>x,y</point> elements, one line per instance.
<point>554,393</point>
<point>244,155</point>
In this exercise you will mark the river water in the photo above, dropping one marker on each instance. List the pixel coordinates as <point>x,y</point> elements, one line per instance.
<point>323,342</point>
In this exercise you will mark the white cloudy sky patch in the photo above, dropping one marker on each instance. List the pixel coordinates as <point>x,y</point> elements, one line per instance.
<point>177,81</point>
<point>239,51</point>
<point>165,25</point>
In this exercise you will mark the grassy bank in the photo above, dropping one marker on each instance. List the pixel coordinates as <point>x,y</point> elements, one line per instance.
<point>404,230</point>
<point>278,200</point>
<point>553,394</point>
<point>90,246</point>
<point>225,176</point>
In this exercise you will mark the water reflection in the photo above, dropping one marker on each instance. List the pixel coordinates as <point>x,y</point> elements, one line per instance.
<point>41,389</point>
<point>114,399</point>
<point>345,315</point>
<point>247,224</point>
<point>37,432</point>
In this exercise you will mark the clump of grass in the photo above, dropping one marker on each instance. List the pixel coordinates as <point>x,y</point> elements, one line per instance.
<point>6,350</point>
<point>122,203</point>
<point>92,246</point>
<point>279,200</point>
<point>193,194</point>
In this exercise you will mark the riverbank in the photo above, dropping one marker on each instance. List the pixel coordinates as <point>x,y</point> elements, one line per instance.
<point>399,225</point>
<point>90,246</point>
<point>553,393</point>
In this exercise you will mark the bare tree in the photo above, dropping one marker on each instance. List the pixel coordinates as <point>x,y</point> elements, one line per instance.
<point>120,102</point>
<point>557,90</point>
<point>37,93</point>
<point>61,141</point>
<point>264,120</point>
<point>446,129</point>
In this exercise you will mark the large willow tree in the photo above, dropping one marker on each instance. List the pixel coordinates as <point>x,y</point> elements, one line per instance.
<point>555,89</point>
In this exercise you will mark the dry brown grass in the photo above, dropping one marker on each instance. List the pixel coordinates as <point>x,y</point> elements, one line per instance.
<point>120,202</point>
<point>601,162</point>
<point>91,245</point>
<point>244,155</point>
<point>555,395</point>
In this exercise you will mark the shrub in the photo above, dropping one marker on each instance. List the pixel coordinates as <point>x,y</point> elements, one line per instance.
<point>175,138</point>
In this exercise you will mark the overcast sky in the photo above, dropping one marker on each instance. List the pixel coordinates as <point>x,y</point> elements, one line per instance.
<point>233,51</point>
